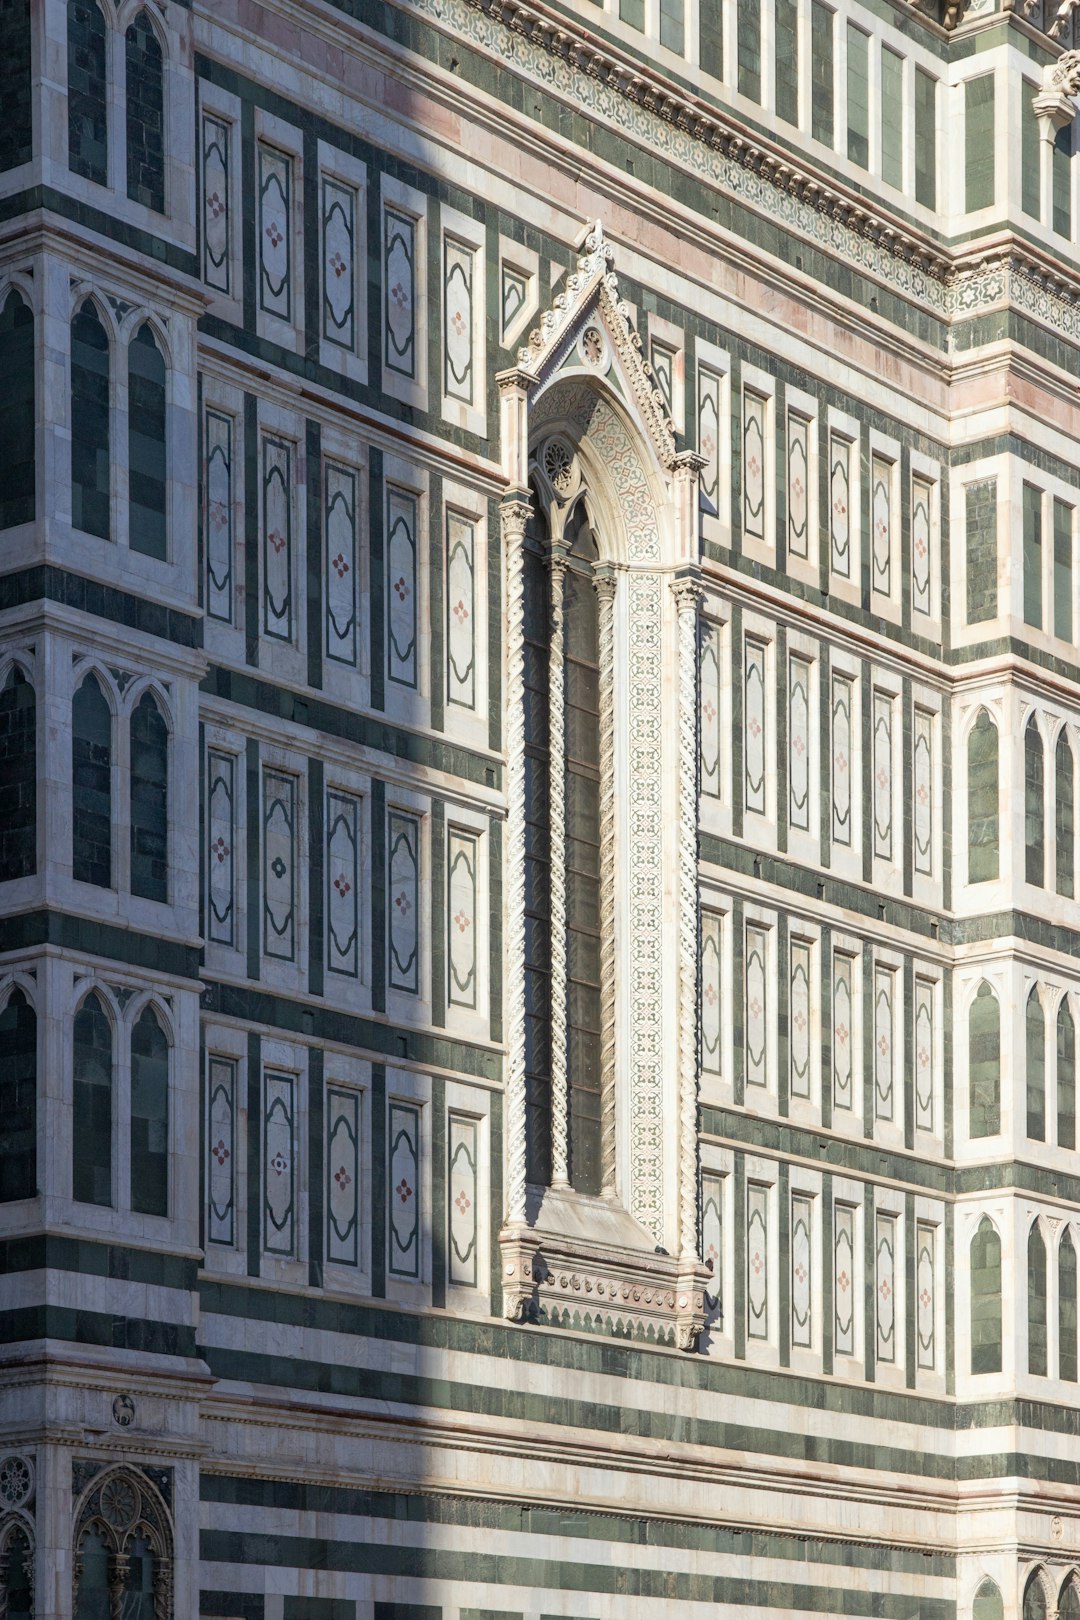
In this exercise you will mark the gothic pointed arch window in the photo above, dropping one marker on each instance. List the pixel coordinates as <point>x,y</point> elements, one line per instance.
<point>1036,1298</point>
<point>17,411</point>
<point>984,1063</point>
<point>149,1115</point>
<point>985,1272</point>
<point>149,800</point>
<point>145,114</point>
<point>982,821</point>
<point>91,785</point>
<point>88,91</point>
<point>1066,1076</point>
<point>1035,1607</point>
<point>18,751</point>
<point>18,1098</point>
<point>1064,815</point>
<point>988,1604</point>
<point>565,587</point>
<point>1068,1607</point>
<point>1035,1055</point>
<point>1034,794</point>
<point>147,472</point>
<point>123,1546</point>
<point>16,1572</point>
<point>91,403</point>
<point>599,525</point>
<point>1066,1261</point>
<point>92,1114</point>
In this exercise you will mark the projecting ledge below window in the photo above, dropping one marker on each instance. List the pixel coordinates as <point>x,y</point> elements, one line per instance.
<point>584,1263</point>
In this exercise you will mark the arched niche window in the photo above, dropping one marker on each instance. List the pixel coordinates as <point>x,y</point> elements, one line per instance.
<point>90,428</point>
<point>1068,1607</point>
<point>149,801</point>
<point>1066,1076</point>
<point>149,1116</point>
<point>982,762</point>
<point>985,1257</point>
<point>1035,1064</point>
<point>147,532</point>
<point>1036,1299</point>
<point>1064,841</point>
<point>1034,1599</point>
<point>145,115</point>
<point>17,411</point>
<point>1034,791</point>
<point>17,1574</point>
<point>984,1063</point>
<point>18,775</point>
<point>18,1098</point>
<point>92,1114</point>
<point>1066,1262</point>
<point>123,1549</point>
<point>988,1604</point>
<point>88,96</point>
<point>91,786</point>
<point>576,875</point>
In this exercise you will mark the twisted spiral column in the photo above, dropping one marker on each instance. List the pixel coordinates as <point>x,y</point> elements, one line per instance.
<point>604,580</point>
<point>117,1579</point>
<point>687,593</point>
<point>513,516</point>
<point>560,1101</point>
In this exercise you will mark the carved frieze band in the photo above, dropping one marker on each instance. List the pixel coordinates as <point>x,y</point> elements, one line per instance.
<point>626,95</point>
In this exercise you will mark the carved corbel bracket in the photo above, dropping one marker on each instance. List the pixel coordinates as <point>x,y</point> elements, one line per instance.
<point>1055,105</point>
<point>1053,111</point>
<point>518,1251</point>
<point>690,1305</point>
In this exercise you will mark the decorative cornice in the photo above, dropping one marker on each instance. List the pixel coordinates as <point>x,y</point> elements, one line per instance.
<point>573,64</point>
<point>669,105</point>
<point>592,1288</point>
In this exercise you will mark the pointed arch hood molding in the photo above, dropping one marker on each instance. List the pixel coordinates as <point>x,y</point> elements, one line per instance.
<point>625,1262</point>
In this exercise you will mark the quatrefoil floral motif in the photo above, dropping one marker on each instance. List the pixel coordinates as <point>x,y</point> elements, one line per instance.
<point>592,346</point>
<point>16,1481</point>
<point>558,467</point>
<point>119,1504</point>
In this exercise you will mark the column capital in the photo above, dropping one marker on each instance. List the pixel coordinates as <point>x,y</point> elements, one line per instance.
<point>605,578</point>
<point>515,510</point>
<point>688,590</point>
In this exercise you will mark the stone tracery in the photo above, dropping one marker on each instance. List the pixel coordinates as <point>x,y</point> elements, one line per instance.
<point>119,1519</point>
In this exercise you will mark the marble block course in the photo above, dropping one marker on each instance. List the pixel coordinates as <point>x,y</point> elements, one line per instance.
<point>539,717</point>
